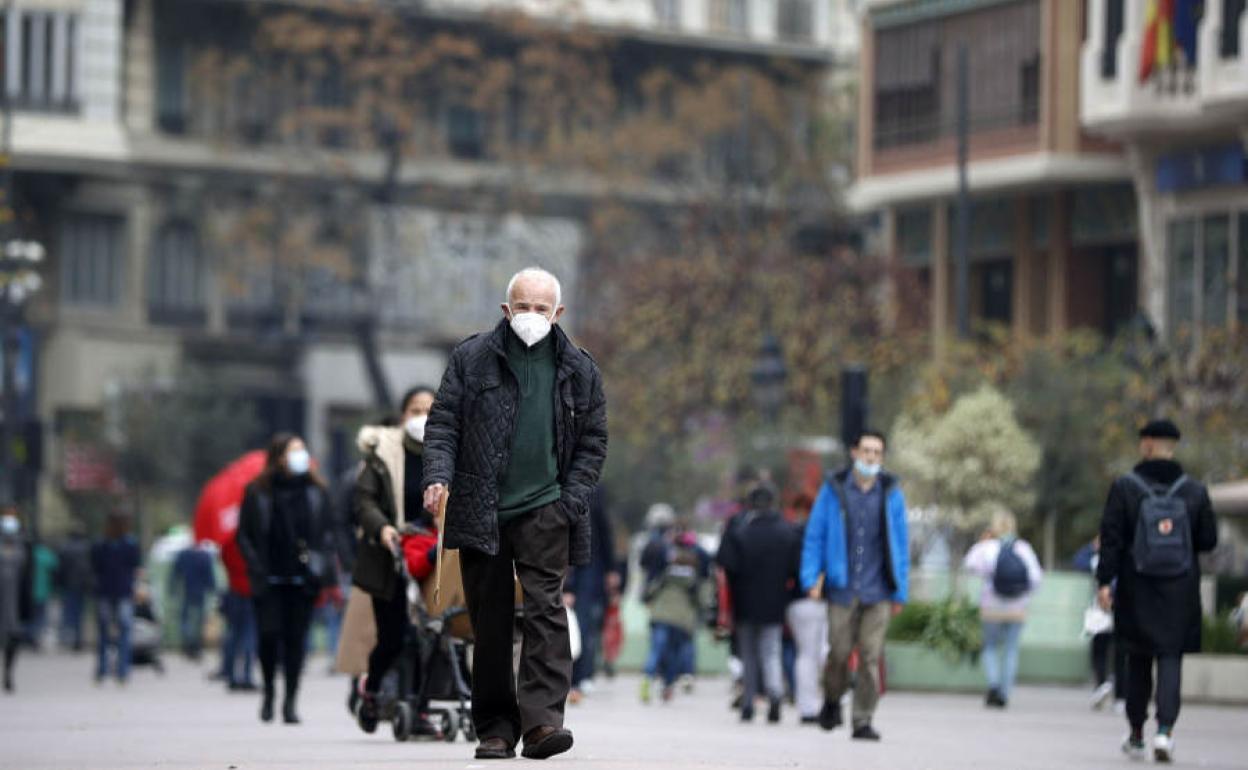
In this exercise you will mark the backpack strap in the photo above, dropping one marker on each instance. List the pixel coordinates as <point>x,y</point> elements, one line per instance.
<point>1174,490</point>
<point>1143,484</point>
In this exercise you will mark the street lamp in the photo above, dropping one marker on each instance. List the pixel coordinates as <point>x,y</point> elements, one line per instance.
<point>19,281</point>
<point>768,377</point>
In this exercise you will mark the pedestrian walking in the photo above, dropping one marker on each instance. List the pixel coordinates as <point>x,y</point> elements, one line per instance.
<point>586,594</point>
<point>518,436</point>
<point>16,605</point>
<point>1156,521</point>
<point>807,616</point>
<point>238,647</point>
<point>857,542</point>
<point>1011,574</point>
<point>43,579</point>
<point>761,556</point>
<point>192,578</point>
<point>283,537</point>
<point>75,583</point>
<point>673,599</point>
<point>1105,650</point>
<point>389,510</point>
<point>116,563</point>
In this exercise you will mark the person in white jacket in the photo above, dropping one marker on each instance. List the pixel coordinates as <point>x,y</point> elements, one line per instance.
<point>1010,579</point>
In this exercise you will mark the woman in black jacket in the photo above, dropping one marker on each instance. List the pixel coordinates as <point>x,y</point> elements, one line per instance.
<point>282,535</point>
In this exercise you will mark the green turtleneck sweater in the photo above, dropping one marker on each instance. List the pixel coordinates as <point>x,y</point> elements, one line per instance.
<point>532,477</point>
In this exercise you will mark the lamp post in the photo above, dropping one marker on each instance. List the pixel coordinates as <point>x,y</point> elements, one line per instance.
<point>768,377</point>
<point>19,281</point>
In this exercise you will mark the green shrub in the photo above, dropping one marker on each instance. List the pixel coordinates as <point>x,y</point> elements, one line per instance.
<point>1218,636</point>
<point>950,627</point>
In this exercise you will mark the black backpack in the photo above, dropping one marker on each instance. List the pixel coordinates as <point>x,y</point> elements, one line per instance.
<point>1163,532</point>
<point>1010,578</point>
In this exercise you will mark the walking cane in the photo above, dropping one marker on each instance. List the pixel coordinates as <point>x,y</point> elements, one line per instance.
<point>437,568</point>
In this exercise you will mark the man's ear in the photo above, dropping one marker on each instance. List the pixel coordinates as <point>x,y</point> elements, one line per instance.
<point>559,313</point>
<point>506,310</point>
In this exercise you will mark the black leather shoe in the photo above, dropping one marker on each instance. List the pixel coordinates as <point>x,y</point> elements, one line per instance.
<point>288,712</point>
<point>830,716</point>
<point>495,748</point>
<point>266,708</point>
<point>773,712</point>
<point>865,733</point>
<point>545,742</point>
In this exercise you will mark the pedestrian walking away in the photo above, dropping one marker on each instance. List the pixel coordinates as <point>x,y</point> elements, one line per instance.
<point>761,556</point>
<point>672,598</point>
<point>807,616</point>
<point>1156,521</point>
<point>283,536</point>
<point>518,436</point>
<point>1105,650</point>
<point>16,592</point>
<point>857,542</point>
<point>192,578</point>
<point>116,563</point>
<point>586,592</point>
<point>1011,574</point>
<point>75,583</point>
<point>389,511</point>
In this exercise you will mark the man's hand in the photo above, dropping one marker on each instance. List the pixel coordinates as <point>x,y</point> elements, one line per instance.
<point>813,593</point>
<point>433,494</point>
<point>569,600</point>
<point>897,608</point>
<point>390,538</point>
<point>1105,598</point>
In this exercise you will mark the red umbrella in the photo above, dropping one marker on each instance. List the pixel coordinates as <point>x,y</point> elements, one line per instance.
<point>216,513</point>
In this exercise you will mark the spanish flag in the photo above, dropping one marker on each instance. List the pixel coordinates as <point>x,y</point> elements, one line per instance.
<point>1158,49</point>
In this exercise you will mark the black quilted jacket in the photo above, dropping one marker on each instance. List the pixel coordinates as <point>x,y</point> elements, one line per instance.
<point>468,437</point>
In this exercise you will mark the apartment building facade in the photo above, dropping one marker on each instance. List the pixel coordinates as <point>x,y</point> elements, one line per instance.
<point>1053,218</point>
<point>117,160</point>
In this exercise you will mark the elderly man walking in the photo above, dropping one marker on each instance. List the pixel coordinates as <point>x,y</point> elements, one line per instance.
<point>518,434</point>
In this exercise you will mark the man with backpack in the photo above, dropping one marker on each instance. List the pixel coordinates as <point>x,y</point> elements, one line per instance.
<point>1156,521</point>
<point>1011,573</point>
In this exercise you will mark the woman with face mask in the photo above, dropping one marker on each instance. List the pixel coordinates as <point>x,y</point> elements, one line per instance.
<point>16,607</point>
<point>388,509</point>
<point>283,535</point>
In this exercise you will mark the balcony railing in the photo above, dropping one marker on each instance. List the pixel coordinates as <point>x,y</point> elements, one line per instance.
<point>1117,96</point>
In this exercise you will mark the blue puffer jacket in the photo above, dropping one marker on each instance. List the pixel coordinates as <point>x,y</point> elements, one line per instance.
<point>824,549</point>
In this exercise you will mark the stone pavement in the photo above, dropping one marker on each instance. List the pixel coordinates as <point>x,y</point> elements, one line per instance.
<point>59,719</point>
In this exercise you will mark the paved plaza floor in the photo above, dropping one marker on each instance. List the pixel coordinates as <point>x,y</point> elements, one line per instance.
<point>59,719</point>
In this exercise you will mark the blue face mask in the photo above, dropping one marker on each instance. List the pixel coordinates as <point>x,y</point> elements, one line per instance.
<point>298,462</point>
<point>867,470</point>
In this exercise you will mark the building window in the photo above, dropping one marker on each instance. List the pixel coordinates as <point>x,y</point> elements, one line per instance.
<point>39,59</point>
<point>92,259</point>
<point>172,104</point>
<point>794,20</point>
<point>916,67</point>
<point>176,276</point>
<point>1114,22</point>
<point>667,13</point>
<point>1104,214</point>
<point>998,291</point>
<point>914,236</point>
<point>729,16</point>
<point>465,132</point>
<point>1229,43</point>
<point>1208,270</point>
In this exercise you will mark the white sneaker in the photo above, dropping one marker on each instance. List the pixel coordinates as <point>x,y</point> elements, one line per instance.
<point>1101,695</point>
<point>1134,750</point>
<point>1120,707</point>
<point>1163,748</point>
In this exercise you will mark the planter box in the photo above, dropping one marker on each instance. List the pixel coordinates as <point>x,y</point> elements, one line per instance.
<point>911,666</point>
<point>1215,678</point>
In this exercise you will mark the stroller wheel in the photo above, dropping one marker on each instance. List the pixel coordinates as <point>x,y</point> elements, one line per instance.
<point>366,721</point>
<point>449,726</point>
<point>402,721</point>
<point>466,726</point>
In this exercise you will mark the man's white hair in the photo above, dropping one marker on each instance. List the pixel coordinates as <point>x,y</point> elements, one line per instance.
<point>536,272</point>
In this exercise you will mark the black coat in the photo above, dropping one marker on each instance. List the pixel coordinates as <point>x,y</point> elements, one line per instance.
<point>468,437</point>
<point>1154,615</point>
<point>255,521</point>
<point>760,556</point>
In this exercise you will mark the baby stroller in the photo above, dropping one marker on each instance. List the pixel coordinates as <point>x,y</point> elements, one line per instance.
<point>145,633</point>
<point>439,705</point>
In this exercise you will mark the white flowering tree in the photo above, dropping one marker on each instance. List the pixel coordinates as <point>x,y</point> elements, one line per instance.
<point>966,462</point>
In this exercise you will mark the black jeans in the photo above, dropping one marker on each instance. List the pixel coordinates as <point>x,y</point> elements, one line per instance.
<point>391,617</point>
<point>284,614</point>
<point>1140,688</point>
<point>533,547</point>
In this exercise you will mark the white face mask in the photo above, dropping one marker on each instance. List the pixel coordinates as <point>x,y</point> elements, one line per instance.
<point>10,526</point>
<point>532,328</point>
<point>298,462</point>
<point>415,427</point>
<point>867,470</point>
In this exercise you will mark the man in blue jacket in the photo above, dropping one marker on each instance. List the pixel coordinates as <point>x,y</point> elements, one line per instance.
<point>856,553</point>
